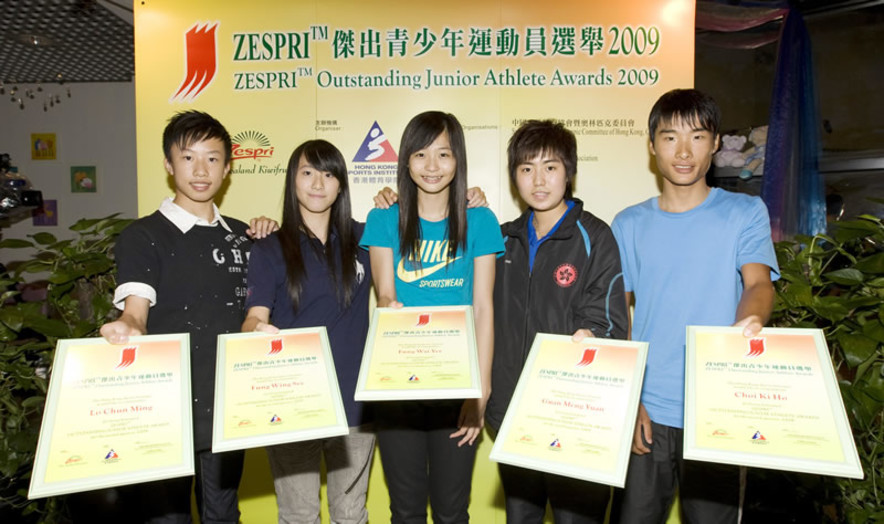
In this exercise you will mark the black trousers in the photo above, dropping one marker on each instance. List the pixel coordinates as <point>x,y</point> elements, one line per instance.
<point>709,493</point>
<point>421,461</point>
<point>572,501</point>
<point>217,481</point>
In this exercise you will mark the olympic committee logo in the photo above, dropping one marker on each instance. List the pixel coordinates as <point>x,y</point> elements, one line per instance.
<point>565,275</point>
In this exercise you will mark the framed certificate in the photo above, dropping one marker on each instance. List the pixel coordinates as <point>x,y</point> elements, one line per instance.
<point>771,401</point>
<point>415,353</point>
<point>273,389</point>
<point>573,410</point>
<point>115,415</point>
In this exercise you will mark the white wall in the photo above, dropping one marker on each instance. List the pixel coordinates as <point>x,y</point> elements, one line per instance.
<point>95,127</point>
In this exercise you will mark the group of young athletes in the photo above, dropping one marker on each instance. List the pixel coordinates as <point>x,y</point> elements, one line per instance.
<point>693,255</point>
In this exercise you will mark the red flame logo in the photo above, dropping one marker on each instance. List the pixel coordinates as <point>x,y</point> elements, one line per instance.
<point>588,357</point>
<point>756,347</point>
<point>127,357</point>
<point>200,62</point>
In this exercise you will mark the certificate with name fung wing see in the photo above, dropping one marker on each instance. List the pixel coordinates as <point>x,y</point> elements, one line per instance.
<point>573,410</point>
<point>770,401</point>
<point>274,389</point>
<point>115,415</point>
<point>416,353</point>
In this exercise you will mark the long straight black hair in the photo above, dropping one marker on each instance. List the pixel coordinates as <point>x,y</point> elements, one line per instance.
<point>420,132</point>
<point>324,157</point>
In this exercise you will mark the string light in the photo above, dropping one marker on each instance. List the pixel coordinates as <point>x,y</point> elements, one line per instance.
<point>20,93</point>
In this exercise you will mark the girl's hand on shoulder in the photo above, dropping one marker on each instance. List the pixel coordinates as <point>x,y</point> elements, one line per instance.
<point>261,227</point>
<point>471,421</point>
<point>385,198</point>
<point>476,197</point>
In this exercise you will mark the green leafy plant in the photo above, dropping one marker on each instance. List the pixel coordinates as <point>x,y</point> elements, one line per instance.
<point>836,283</point>
<point>80,284</point>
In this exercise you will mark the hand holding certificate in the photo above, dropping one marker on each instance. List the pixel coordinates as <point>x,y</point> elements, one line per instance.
<point>770,401</point>
<point>573,411</point>
<point>115,415</point>
<point>273,389</point>
<point>415,353</point>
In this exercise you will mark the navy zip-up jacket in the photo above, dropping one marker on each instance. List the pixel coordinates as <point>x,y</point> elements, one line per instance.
<point>576,283</point>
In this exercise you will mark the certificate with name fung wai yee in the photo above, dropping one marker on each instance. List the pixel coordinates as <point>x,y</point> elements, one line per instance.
<point>417,353</point>
<point>115,415</point>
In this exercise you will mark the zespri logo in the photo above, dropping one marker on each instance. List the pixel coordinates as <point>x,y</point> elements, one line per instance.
<point>756,347</point>
<point>200,61</point>
<point>375,147</point>
<point>251,144</point>
<point>588,357</point>
<point>127,357</point>
<point>275,347</point>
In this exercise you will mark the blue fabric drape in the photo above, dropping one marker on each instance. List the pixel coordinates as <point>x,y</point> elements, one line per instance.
<point>792,186</point>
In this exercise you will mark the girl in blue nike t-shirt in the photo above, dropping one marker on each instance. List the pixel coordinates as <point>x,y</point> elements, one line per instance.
<point>431,250</point>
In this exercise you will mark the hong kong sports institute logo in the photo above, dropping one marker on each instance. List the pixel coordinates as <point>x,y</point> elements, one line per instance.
<point>200,61</point>
<point>375,147</point>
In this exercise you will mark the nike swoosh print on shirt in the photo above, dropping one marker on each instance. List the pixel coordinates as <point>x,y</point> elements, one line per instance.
<point>409,276</point>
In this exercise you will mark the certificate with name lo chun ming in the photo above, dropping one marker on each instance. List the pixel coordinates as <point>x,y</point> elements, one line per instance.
<point>416,353</point>
<point>573,410</point>
<point>115,415</point>
<point>274,389</point>
<point>771,401</point>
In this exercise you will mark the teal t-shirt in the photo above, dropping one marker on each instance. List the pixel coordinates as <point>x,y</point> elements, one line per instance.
<point>437,281</point>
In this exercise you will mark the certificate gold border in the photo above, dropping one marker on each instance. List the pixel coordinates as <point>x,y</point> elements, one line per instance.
<point>618,476</point>
<point>184,467</point>
<point>221,443</point>
<point>364,391</point>
<point>850,466</point>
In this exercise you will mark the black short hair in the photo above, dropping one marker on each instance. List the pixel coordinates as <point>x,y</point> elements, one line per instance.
<point>688,105</point>
<point>534,137</point>
<point>189,127</point>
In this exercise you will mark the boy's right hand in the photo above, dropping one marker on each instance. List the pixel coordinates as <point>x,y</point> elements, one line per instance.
<point>118,332</point>
<point>642,425</point>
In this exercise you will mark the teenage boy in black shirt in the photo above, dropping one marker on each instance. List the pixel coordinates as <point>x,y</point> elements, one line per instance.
<point>183,269</point>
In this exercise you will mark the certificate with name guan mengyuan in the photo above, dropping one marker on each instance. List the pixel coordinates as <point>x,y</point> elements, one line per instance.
<point>573,410</point>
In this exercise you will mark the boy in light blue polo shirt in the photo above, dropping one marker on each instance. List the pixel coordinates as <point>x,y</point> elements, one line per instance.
<point>695,255</point>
